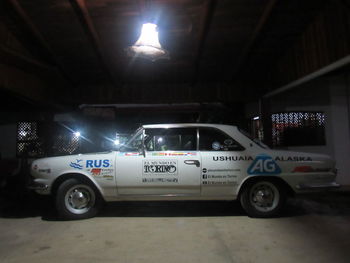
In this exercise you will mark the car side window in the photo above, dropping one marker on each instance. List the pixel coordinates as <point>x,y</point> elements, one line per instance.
<point>133,145</point>
<point>172,139</point>
<point>211,139</point>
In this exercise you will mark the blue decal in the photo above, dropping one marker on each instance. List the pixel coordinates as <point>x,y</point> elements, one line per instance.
<point>89,163</point>
<point>106,163</point>
<point>264,165</point>
<point>76,165</point>
<point>97,163</point>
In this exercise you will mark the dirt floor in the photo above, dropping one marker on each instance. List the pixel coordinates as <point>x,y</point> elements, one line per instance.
<point>311,229</point>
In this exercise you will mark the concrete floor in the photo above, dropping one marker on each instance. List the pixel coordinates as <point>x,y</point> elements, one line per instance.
<point>310,230</point>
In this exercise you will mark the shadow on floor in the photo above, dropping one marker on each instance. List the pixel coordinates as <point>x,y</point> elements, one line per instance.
<point>29,204</point>
<point>21,203</point>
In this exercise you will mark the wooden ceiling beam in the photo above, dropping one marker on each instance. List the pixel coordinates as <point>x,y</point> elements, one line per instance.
<point>208,11</point>
<point>257,30</point>
<point>31,27</point>
<point>84,16</point>
<point>19,60</point>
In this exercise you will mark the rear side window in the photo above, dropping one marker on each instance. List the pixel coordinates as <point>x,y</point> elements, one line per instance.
<point>211,139</point>
<point>173,139</point>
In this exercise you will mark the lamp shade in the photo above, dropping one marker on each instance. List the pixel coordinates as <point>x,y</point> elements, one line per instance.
<point>148,46</point>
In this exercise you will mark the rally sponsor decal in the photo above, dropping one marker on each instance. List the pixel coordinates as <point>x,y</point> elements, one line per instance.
<point>219,176</point>
<point>78,164</point>
<point>98,163</point>
<point>233,183</point>
<point>223,179</point>
<point>98,168</point>
<point>95,171</point>
<point>232,158</point>
<point>101,173</point>
<point>223,170</point>
<point>129,154</point>
<point>160,171</point>
<point>174,154</point>
<point>264,165</point>
<point>160,167</point>
<point>160,180</point>
<point>293,158</point>
<point>277,158</point>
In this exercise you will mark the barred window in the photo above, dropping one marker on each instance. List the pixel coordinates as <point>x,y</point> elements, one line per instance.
<point>39,139</point>
<point>28,141</point>
<point>298,128</point>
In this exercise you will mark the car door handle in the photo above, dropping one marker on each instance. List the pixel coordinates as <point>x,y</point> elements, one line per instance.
<point>193,162</point>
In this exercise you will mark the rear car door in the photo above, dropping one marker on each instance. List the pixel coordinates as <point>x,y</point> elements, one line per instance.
<point>222,161</point>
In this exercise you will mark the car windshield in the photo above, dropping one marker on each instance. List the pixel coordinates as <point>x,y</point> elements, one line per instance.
<point>255,140</point>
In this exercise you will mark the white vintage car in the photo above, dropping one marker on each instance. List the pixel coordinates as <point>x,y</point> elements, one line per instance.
<point>182,162</point>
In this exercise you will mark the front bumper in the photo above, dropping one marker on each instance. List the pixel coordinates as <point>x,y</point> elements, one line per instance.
<point>318,186</point>
<point>41,186</point>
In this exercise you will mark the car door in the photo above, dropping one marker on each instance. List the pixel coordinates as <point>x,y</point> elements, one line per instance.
<point>223,160</point>
<point>168,164</point>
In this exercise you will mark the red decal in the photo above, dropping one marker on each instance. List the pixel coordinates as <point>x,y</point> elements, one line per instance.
<point>95,171</point>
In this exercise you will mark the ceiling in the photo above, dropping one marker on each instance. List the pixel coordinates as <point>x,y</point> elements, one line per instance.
<point>220,50</point>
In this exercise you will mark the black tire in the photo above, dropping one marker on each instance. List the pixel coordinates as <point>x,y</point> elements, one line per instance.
<point>76,199</point>
<point>263,198</point>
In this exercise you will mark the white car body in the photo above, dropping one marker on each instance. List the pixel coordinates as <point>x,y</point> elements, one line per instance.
<point>186,175</point>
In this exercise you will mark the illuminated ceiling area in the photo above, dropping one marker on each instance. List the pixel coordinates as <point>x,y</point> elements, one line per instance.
<point>71,52</point>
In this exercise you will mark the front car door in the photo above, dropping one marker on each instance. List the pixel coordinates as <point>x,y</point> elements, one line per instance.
<point>167,164</point>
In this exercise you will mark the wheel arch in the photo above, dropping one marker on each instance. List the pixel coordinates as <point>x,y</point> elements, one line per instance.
<point>279,180</point>
<point>63,177</point>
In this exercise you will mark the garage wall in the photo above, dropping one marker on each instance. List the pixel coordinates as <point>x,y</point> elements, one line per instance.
<point>8,141</point>
<point>330,95</point>
<point>340,126</point>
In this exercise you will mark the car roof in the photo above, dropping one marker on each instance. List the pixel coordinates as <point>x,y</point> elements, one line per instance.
<point>181,125</point>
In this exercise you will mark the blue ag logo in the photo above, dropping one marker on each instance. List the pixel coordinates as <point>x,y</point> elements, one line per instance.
<point>264,165</point>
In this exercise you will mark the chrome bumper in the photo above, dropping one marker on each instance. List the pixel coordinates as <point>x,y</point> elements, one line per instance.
<point>321,186</point>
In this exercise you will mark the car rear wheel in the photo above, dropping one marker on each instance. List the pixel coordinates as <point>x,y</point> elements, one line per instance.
<point>262,198</point>
<point>77,200</point>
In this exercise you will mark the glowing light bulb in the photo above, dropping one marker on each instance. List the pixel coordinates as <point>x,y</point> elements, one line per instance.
<point>148,46</point>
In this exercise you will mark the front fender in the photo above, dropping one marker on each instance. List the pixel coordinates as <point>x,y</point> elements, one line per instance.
<point>74,174</point>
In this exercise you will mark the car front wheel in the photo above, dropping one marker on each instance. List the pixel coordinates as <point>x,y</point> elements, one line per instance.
<point>77,200</point>
<point>262,198</point>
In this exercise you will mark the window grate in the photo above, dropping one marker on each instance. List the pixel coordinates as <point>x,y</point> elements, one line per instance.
<point>65,143</point>
<point>38,139</point>
<point>298,128</point>
<point>28,141</point>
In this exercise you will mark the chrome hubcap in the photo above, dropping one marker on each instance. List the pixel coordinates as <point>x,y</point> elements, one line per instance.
<point>79,199</point>
<point>264,196</point>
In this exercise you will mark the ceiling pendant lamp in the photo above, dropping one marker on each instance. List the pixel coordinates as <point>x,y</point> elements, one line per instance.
<point>148,46</point>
